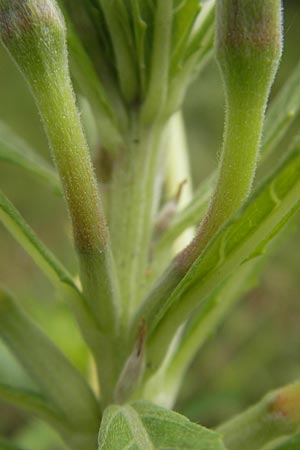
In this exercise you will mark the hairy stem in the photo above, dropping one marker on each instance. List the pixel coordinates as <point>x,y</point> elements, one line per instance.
<point>275,415</point>
<point>131,211</point>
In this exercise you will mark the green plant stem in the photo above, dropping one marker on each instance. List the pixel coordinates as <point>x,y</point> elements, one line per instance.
<point>131,211</point>
<point>236,172</point>
<point>235,178</point>
<point>248,66</point>
<point>63,128</point>
<point>39,50</point>
<point>100,286</point>
<point>277,414</point>
<point>281,114</point>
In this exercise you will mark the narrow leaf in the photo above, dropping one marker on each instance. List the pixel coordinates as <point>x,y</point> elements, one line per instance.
<point>47,366</point>
<point>286,443</point>
<point>203,324</point>
<point>32,402</point>
<point>140,29</point>
<point>203,27</point>
<point>21,231</point>
<point>55,271</point>
<point>157,91</point>
<point>6,445</point>
<point>282,112</point>
<point>184,17</point>
<point>15,150</point>
<point>245,237</point>
<point>118,25</point>
<point>197,53</point>
<point>91,87</point>
<point>145,426</point>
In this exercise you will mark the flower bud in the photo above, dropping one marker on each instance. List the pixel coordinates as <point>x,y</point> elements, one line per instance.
<point>33,31</point>
<point>248,43</point>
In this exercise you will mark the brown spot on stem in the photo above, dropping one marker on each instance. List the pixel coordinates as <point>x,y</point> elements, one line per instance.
<point>248,23</point>
<point>287,403</point>
<point>18,17</point>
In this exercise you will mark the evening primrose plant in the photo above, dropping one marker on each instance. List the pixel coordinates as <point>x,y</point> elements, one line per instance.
<point>159,266</point>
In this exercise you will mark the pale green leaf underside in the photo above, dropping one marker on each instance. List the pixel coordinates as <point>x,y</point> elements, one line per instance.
<point>145,426</point>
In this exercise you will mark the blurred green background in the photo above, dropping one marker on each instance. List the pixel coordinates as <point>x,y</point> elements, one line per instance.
<point>255,350</point>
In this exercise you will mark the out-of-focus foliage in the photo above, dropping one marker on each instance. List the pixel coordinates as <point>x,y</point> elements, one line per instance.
<point>256,348</point>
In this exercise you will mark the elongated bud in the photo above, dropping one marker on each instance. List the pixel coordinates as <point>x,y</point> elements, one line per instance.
<point>133,369</point>
<point>248,43</point>
<point>33,31</point>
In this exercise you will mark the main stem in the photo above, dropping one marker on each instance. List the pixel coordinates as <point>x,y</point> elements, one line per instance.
<point>131,211</point>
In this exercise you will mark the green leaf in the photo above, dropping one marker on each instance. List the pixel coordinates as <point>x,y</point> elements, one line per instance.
<point>11,371</point>
<point>244,238</point>
<point>198,50</point>
<point>116,16</point>
<point>205,25</point>
<point>21,231</point>
<point>140,26</point>
<point>202,325</point>
<point>145,426</point>
<point>282,112</point>
<point>184,19</point>
<point>15,150</point>
<point>54,270</point>
<point>57,379</point>
<point>157,92</point>
<point>286,443</point>
<point>32,402</point>
<point>38,435</point>
<point>91,87</point>
<point>6,445</point>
